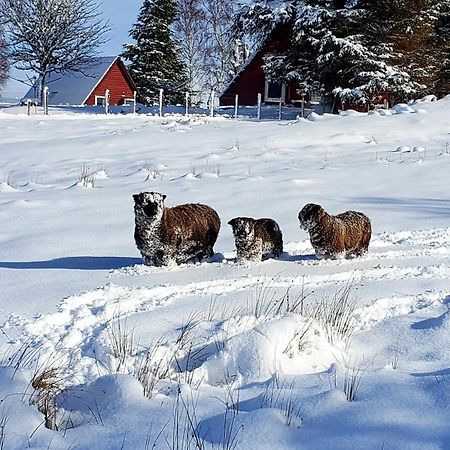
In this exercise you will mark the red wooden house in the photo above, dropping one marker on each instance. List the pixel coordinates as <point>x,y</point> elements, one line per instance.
<point>89,88</point>
<point>251,81</point>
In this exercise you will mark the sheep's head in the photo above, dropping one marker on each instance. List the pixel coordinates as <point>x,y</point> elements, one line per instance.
<point>243,227</point>
<point>150,204</point>
<point>310,216</point>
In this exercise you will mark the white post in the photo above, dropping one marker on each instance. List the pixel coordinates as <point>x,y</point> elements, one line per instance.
<point>279,109</point>
<point>29,107</point>
<point>258,114</point>
<point>236,106</point>
<point>303,105</point>
<point>213,94</point>
<point>46,100</point>
<point>161,92</point>
<point>187,104</point>
<point>107,98</point>
<point>134,101</point>
<point>386,104</point>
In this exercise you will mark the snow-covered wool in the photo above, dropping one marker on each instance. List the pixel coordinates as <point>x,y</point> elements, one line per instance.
<point>178,234</point>
<point>345,235</point>
<point>256,239</point>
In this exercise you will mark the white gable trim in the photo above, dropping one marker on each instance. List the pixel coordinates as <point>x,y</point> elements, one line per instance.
<point>100,79</point>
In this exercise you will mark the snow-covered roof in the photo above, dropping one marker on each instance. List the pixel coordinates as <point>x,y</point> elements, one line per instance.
<point>73,88</point>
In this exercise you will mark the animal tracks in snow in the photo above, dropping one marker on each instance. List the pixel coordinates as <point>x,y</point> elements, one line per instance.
<point>411,256</point>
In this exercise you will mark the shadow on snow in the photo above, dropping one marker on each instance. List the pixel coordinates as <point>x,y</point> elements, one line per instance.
<point>75,263</point>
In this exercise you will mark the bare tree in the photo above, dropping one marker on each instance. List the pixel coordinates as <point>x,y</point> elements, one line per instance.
<point>4,66</point>
<point>212,47</point>
<point>190,32</point>
<point>48,36</point>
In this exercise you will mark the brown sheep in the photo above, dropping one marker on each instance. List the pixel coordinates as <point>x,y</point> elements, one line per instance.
<point>178,234</point>
<point>345,235</point>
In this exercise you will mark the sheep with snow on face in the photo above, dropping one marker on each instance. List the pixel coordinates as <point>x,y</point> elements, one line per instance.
<point>344,235</point>
<point>173,235</point>
<point>256,239</point>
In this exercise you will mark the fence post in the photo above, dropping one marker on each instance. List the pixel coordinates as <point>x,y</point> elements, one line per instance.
<point>134,101</point>
<point>29,107</point>
<point>187,104</point>
<point>258,113</point>
<point>303,106</point>
<point>236,106</point>
<point>213,94</point>
<point>46,100</point>
<point>107,101</point>
<point>161,93</point>
<point>279,109</point>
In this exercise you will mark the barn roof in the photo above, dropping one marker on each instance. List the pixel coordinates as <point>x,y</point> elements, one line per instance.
<point>73,88</point>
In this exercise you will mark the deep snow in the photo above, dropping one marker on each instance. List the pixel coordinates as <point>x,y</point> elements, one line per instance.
<point>70,276</point>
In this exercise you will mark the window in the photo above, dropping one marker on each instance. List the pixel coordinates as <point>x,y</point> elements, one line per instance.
<point>100,100</point>
<point>128,101</point>
<point>274,91</point>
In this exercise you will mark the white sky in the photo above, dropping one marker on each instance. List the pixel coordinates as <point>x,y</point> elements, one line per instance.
<point>121,15</point>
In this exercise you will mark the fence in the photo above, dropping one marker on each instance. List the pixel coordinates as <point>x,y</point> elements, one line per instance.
<point>257,112</point>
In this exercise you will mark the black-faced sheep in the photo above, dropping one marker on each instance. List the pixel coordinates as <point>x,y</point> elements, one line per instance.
<point>256,239</point>
<point>173,235</point>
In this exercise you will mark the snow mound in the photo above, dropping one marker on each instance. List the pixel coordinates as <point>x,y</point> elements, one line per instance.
<point>5,187</point>
<point>254,349</point>
<point>104,397</point>
<point>403,149</point>
<point>207,175</point>
<point>314,117</point>
<point>403,108</point>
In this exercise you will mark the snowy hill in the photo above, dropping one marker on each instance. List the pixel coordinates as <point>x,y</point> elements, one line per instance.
<point>295,353</point>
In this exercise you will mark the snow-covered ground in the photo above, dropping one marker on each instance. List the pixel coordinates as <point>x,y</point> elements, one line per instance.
<point>219,355</point>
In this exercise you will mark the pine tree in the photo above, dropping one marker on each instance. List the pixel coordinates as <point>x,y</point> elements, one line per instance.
<point>357,49</point>
<point>154,58</point>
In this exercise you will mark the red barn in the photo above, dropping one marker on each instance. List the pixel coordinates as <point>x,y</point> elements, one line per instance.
<point>89,88</point>
<point>251,81</point>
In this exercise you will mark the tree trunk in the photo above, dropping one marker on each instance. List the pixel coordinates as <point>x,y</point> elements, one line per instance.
<point>41,89</point>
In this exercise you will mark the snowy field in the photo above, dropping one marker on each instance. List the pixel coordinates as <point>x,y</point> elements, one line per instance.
<point>101,352</point>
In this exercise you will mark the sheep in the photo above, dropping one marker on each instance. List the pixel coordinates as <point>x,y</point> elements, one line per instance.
<point>256,239</point>
<point>345,235</point>
<point>173,235</point>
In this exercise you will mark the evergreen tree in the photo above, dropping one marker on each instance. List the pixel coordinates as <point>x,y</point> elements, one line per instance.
<point>154,58</point>
<point>356,49</point>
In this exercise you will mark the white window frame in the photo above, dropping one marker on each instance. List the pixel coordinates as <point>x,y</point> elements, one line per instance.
<point>128,101</point>
<point>97,97</point>
<point>271,99</point>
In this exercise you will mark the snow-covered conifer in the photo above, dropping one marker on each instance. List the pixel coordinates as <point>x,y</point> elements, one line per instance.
<point>356,49</point>
<point>154,57</point>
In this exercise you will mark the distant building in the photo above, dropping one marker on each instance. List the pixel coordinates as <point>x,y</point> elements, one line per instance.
<point>88,88</point>
<point>251,81</point>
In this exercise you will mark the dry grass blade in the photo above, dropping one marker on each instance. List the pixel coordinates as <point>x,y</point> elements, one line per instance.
<point>122,341</point>
<point>337,315</point>
<point>352,381</point>
<point>3,422</point>
<point>48,382</point>
<point>281,395</point>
